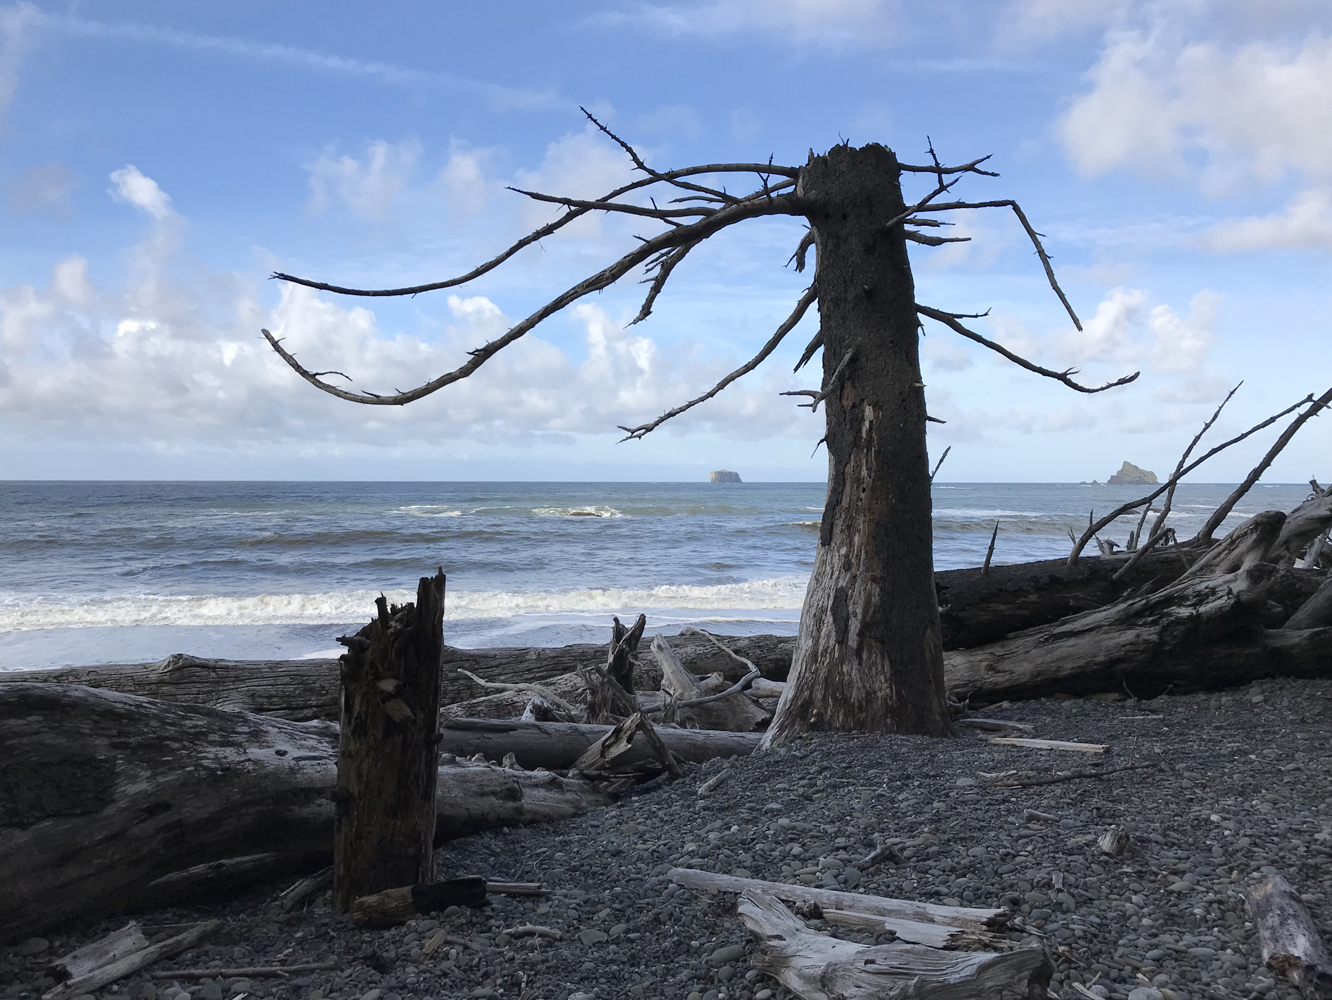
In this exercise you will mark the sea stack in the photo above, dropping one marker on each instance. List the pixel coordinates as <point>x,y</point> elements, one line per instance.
<point>725,476</point>
<point>1130,475</point>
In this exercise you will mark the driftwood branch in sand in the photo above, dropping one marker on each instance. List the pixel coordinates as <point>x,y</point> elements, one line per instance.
<point>102,793</point>
<point>129,964</point>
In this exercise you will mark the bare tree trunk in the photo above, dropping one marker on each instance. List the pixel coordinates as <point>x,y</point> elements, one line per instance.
<point>869,656</point>
<point>388,753</point>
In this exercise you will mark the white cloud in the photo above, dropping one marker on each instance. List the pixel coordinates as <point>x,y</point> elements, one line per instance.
<point>16,24</point>
<point>828,23</point>
<point>1045,20</point>
<point>1259,110</point>
<point>577,165</point>
<point>182,363</point>
<point>466,188</point>
<point>1305,224</point>
<point>1107,336</point>
<point>1180,344</point>
<point>369,187</point>
<point>944,354</point>
<point>128,185</point>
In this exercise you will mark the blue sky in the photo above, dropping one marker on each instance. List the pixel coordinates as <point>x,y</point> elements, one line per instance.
<point>159,160</point>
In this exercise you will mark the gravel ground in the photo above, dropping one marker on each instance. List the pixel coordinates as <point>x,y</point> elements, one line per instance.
<point>1242,788</point>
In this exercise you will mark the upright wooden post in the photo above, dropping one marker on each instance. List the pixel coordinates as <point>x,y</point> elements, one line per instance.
<point>388,750</point>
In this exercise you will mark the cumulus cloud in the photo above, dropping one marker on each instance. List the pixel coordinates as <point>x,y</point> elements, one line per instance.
<point>1305,224</point>
<point>178,361</point>
<point>131,187</point>
<point>1258,110</point>
<point>366,187</point>
<point>825,23</point>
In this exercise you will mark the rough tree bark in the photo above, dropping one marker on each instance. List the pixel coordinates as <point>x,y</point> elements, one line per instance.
<point>103,793</point>
<point>387,753</point>
<point>869,656</point>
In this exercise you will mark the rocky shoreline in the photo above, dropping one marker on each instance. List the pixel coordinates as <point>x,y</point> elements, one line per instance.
<point>1240,784</point>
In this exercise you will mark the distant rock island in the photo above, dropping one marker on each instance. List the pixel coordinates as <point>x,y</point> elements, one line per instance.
<point>725,476</point>
<point>1130,475</point>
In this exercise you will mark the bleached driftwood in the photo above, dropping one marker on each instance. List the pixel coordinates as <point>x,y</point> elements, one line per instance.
<point>131,963</point>
<point>556,746</point>
<point>1288,938</point>
<point>105,950</point>
<point>104,793</point>
<point>694,705</point>
<point>922,923</point>
<point>1033,744</point>
<point>818,967</point>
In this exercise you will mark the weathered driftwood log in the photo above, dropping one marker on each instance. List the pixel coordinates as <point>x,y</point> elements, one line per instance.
<point>1194,635</point>
<point>384,823</point>
<point>558,745</point>
<point>818,967</point>
<point>105,950</point>
<point>227,877</point>
<point>398,905</point>
<point>1316,612</point>
<point>1289,939</point>
<point>129,964</point>
<point>735,712</point>
<point>976,608</point>
<point>299,690</point>
<point>101,793</point>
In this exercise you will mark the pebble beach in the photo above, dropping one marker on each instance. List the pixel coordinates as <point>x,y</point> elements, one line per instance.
<point>1238,786</point>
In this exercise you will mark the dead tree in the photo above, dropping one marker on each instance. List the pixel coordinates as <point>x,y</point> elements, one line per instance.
<point>387,755</point>
<point>869,655</point>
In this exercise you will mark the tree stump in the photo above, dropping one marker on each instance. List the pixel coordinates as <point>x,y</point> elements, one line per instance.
<point>384,829</point>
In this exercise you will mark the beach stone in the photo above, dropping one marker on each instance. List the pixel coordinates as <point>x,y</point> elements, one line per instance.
<point>32,946</point>
<point>210,991</point>
<point>372,995</point>
<point>592,936</point>
<point>730,953</point>
<point>1145,993</point>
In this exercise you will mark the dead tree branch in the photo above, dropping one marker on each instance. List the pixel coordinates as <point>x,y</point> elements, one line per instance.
<point>1094,527</point>
<point>1157,533</point>
<point>1034,236</point>
<point>1219,515</point>
<point>951,321</point>
<point>834,380</point>
<point>806,300</point>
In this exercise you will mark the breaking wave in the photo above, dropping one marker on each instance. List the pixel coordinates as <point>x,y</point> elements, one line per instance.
<point>19,614</point>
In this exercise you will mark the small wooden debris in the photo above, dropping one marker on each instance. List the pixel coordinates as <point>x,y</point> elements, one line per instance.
<point>1288,938</point>
<point>534,930</point>
<point>443,937</point>
<point>1115,841</point>
<point>884,852</point>
<point>103,951</point>
<point>1032,816</point>
<point>712,784</point>
<point>516,889</point>
<point>817,967</point>
<point>129,964</point>
<point>510,761</point>
<point>291,898</point>
<point>1019,741</point>
<point>245,972</point>
<point>396,906</point>
<point>995,725</point>
<point>956,917</point>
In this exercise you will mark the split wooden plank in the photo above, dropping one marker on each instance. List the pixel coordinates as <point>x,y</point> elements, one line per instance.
<point>817,967</point>
<point>103,951</point>
<point>917,932</point>
<point>132,963</point>
<point>964,917</point>
<point>1034,744</point>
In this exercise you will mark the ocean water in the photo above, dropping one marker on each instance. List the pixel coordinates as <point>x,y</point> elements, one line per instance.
<point>103,572</point>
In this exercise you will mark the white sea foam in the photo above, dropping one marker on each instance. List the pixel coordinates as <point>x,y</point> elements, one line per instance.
<point>590,511</point>
<point>428,510</point>
<point>353,605</point>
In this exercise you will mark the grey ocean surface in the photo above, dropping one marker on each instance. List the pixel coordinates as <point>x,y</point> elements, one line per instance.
<point>99,572</point>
